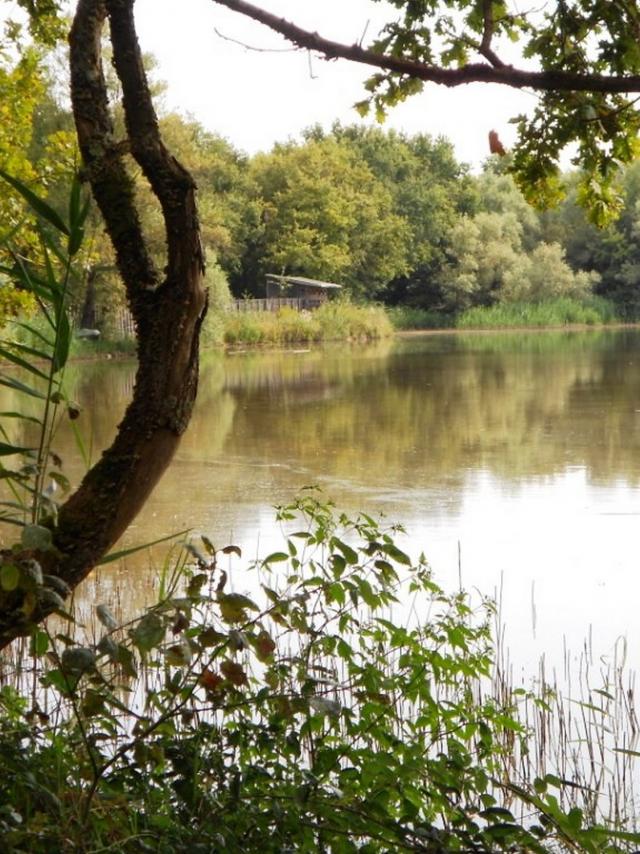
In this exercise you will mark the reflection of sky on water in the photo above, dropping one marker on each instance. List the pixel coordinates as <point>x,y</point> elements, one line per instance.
<point>562,550</point>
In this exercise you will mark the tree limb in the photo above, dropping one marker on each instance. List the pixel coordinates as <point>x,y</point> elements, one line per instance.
<point>507,75</point>
<point>112,187</point>
<point>168,311</point>
<point>485,48</point>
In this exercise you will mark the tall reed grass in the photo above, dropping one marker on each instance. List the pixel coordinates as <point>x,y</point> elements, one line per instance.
<point>331,322</point>
<point>562,311</point>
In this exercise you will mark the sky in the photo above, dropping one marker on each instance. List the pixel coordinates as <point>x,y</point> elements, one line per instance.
<point>255,98</point>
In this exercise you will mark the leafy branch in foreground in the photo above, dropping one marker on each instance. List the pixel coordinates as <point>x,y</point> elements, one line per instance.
<point>342,703</point>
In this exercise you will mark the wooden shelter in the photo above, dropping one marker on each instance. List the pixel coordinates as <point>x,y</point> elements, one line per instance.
<point>309,292</point>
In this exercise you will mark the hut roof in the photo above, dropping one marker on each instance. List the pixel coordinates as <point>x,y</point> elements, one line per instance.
<point>301,281</point>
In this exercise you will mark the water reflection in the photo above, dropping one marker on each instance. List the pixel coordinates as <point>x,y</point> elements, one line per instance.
<point>523,447</point>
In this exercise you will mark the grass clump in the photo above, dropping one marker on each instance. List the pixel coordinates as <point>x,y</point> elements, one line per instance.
<point>407,317</point>
<point>562,311</point>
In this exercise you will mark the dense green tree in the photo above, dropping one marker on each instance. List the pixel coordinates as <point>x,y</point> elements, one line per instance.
<point>324,214</point>
<point>430,190</point>
<point>586,69</point>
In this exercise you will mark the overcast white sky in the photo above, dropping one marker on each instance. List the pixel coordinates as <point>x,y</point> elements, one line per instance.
<point>255,99</point>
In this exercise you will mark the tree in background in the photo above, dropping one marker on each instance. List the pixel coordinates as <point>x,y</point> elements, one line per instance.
<point>500,255</point>
<point>430,190</point>
<point>324,214</point>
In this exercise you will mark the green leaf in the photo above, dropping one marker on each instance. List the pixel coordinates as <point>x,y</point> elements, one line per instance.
<point>179,654</point>
<point>35,332</point>
<point>394,552</point>
<point>626,751</point>
<point>232,550</point>
<point>10,382</point>
<point>149,632</point>
<point>37,537</point>
<point>9,577</point>
<point>30,351</point>
<point>37,204</point>
<point>233,607</point>
<point>134,549</point>
<point>22,363</point>
<point>63,342</point>
<point>22,416</point>
<point>6,450</point>
<point>349,554</point>
<point>39,642</point>
<point>276,557</point>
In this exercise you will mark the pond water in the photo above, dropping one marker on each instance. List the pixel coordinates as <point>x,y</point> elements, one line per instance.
<point>512,459</point>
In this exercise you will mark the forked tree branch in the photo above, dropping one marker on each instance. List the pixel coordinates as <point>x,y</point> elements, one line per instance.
<point>507,75</point>
<point>112,187</point>
<point>172,184</point>
<point>168,310</point>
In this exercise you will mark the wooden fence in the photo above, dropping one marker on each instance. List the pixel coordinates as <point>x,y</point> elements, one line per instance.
<point>121,324</point>
<point>276,303</point>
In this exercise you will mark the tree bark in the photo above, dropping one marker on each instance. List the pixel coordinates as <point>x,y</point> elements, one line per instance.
<point>168,310</point>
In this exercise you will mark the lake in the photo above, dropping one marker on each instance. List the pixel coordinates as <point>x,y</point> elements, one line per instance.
<point>513,460</point>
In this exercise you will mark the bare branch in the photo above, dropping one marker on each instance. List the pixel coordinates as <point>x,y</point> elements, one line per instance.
<point>251,47</point>
<point>507,75</point>
<point>485,48</point>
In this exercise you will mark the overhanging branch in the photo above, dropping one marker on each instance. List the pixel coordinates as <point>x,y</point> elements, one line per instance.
<point>507,75</point>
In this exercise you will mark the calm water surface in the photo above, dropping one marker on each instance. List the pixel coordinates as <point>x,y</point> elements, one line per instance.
<point>519,452</point>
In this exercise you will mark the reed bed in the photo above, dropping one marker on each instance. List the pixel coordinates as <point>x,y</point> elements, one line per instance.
<point>333,321</point>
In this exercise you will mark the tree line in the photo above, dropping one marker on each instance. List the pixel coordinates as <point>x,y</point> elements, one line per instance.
<point>393,218</point>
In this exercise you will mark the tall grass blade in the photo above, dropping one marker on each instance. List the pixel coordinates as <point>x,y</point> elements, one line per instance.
<point>63,343</point>
<point>31,351</point>
<point>6,450</point>
<point>10,382</point>
<point>35,332</point>
<point>42,208</point>
<point>22,416</point>
<point>126,552</point>
<point>21,363</point>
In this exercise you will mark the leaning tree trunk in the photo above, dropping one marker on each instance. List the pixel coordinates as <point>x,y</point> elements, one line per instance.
<point>168,310</point>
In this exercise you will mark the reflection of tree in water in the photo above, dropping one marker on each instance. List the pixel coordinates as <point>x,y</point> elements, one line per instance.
<point>415,412</point>
<point>412,417</point>
<point>434,408</point>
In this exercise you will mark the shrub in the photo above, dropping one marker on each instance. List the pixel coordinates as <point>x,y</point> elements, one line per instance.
<point>339,320</point>
<point>302,717</point>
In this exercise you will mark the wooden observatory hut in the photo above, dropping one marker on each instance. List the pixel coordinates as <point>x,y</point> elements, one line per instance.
<point>307,293</point>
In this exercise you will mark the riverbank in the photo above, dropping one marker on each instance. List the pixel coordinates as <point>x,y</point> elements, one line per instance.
<point>344,321</point>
